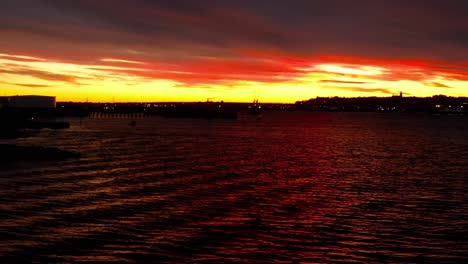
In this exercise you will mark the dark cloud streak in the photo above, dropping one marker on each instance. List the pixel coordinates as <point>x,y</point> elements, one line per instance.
<point>43,75</point>
<point>397,28</point>
<point>29,85</point>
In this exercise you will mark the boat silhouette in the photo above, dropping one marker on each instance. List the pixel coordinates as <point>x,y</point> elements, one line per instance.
<point>255,108</point>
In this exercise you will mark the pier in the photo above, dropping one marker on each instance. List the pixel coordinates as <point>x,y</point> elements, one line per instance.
<point>104,115</point>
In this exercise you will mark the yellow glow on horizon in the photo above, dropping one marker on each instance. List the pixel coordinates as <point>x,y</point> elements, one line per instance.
<point>21,75</point>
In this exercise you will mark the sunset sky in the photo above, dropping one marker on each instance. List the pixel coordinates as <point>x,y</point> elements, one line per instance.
<point>281,51</point>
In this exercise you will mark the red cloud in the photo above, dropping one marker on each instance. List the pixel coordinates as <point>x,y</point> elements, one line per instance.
<point>272,67</point>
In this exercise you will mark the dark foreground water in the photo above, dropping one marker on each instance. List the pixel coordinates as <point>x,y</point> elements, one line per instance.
<point>290,188</point>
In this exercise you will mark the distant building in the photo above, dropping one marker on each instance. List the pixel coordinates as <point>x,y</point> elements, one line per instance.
<point>28,102</point>
<point>400,95</point>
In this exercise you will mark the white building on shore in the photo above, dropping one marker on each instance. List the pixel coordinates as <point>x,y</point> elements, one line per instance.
<point>28,102</point>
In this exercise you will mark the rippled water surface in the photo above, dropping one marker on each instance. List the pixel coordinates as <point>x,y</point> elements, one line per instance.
<point>290,188</point>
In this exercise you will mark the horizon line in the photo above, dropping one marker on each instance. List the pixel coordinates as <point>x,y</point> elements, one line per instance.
<point>247,102</point>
